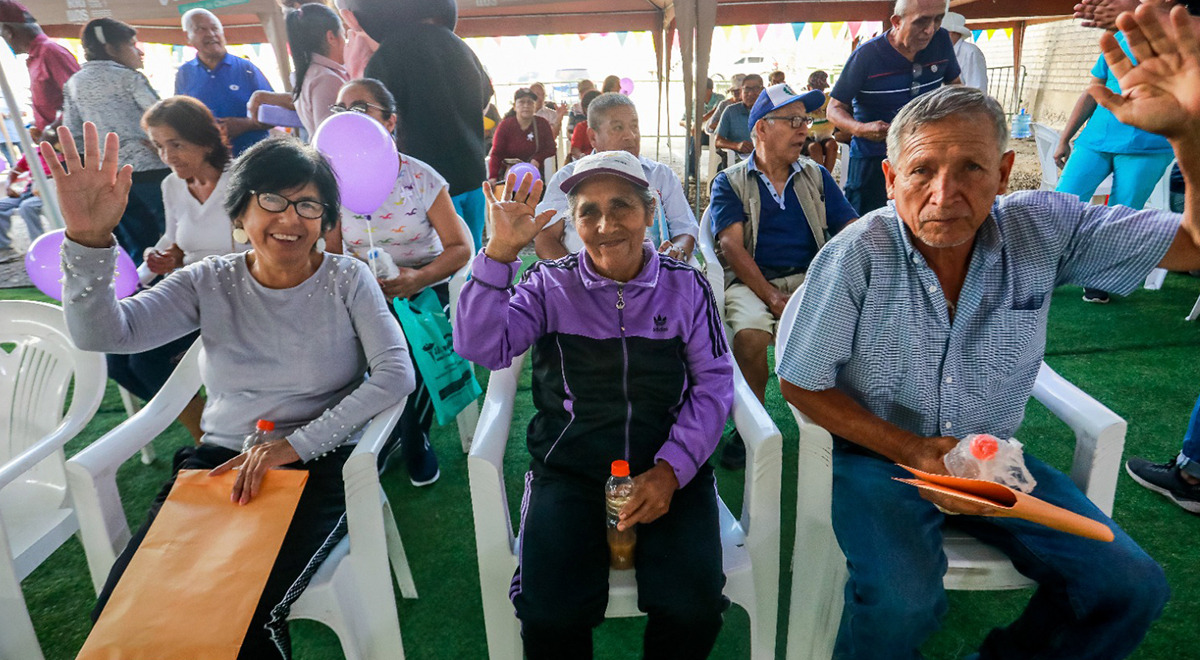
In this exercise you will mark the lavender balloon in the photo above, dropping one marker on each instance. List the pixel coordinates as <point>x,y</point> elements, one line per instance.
<point>363,157</point>
<point>521,169</point>
<point>626,86</point>
<point>44,266</point>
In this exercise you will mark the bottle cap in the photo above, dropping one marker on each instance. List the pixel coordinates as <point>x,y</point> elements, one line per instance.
<point>265,425</point>
<point>620,469</point>
<point>984,447</point>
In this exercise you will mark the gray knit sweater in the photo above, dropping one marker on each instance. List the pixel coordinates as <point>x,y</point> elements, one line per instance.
<point>294,356</point>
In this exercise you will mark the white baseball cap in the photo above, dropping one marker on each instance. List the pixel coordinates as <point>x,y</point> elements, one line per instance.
<point>618,163</point>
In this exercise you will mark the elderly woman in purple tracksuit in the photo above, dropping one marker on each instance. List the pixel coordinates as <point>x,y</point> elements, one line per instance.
<point>629,362</point>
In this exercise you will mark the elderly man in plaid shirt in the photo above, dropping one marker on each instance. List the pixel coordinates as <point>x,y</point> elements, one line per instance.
<point>925,321</point>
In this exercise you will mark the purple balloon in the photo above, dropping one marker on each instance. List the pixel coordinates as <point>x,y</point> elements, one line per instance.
<point>521,169</point>
<point>363,157</point>
<point>626,86</point>
<point>44,266</point>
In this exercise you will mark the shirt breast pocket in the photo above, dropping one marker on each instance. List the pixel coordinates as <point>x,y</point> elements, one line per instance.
<point>1012,341</point>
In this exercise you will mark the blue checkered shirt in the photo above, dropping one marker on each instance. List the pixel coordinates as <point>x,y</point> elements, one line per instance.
<point>873,320</point>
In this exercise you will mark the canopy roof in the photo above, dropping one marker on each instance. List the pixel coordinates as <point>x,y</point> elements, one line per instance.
<point>247,21</point>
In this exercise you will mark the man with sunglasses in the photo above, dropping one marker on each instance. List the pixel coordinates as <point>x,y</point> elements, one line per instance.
<point>770,214</point>
<point>913,58</point>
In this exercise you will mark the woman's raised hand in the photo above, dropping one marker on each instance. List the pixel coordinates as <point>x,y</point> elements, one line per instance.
<point>513,220</point>
<point>92,196</point>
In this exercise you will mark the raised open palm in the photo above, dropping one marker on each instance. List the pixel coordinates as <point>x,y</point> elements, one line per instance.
<point>513,217</point>
<point>92,197</point>
<point>1162,91</point>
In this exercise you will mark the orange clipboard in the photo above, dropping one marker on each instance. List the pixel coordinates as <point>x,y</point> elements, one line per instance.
<point>1009,503</point>
<point>191,588</point>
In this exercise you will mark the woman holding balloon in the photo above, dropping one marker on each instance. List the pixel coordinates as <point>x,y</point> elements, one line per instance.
<point>405,218</point>
<point>522,137</point>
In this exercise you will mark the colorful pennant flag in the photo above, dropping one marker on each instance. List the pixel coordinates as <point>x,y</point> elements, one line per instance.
<point>798,29</point>
<point>816,30</point>
<point>727,30</point>
<point>1008,33</point>
<point>761,29</point>
<point>836,28</point>
<point>621,37</point>
<point>855,26</point>
<point>975,34</point>
<point>533,39</point>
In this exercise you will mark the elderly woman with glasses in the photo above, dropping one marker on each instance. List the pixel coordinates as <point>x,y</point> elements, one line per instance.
<point>629,363</point>
<point>522,136</point>
<point>418,229</point>
<point>259,314</point>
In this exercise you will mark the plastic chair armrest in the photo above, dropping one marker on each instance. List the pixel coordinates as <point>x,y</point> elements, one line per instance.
<point>1099,435</point>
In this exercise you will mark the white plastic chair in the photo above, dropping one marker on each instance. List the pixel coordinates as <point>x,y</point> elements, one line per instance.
<point>1046,139</point>
<point>818,565</point>
<point>469,417</point>
<point>38,363</point>
<point>713,271</point>
<point>844,164</point>
<point>750,545</point>
<point>351,591</point>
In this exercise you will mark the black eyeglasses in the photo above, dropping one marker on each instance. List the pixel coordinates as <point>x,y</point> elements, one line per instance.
<point>275,203</point>
<point>361,107</point>
<point>795,120</point>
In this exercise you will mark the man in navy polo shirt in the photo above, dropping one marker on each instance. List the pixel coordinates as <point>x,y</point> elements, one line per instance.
<point>734,128</point>
<point>221,81</point>
<point>911,59</point>
<point>770,214</point>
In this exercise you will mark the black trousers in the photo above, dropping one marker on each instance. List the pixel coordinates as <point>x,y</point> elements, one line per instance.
<point>560,589</point>
<point>145,219</point>
<point>321,507</point>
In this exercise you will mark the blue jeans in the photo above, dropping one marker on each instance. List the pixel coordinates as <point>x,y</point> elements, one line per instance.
<point>472,206</point>
<point>1189,456</point>
<point>1093,600</point>
<point>1134,175</point>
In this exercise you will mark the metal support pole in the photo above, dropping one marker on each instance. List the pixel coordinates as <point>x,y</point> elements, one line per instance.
<point>40,182</point>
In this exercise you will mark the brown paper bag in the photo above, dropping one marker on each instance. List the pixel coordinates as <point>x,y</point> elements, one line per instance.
<point>190,590</point>
<point>1009,503</point>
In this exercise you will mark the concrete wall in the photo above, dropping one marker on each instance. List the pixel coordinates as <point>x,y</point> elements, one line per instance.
<point>1058,58</point>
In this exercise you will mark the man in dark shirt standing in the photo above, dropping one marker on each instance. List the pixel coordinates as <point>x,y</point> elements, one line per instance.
<point>221,81</point>
<point>911,59</point>
<point>49,64</point>
<point>441,92</point>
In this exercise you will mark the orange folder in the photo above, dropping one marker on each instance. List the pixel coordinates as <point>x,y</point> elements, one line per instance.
<point>190,590</point>
<point>1009,503</point>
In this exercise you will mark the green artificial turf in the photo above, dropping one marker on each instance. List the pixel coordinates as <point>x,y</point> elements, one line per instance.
<point>1136,355</point>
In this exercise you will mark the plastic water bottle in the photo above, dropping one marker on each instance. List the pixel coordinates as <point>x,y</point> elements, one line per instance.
<point>382,264</point>
<point>1022,126</point>
<point>264,430</point>
<point>988,458</point>
<point>617,492</point>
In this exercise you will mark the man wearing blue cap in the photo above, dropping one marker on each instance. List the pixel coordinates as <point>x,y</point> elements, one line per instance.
<point>913,58</point>
<point>789,202</point>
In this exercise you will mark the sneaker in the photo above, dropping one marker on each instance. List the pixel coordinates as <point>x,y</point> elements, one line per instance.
<point>1095,296</point>
<point>1165,479</point>
<point>422,465</point>
<point>8,254</point>
<point>733,455</point>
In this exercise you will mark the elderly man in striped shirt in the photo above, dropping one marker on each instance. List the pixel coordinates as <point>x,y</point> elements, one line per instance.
<point>925,321</point>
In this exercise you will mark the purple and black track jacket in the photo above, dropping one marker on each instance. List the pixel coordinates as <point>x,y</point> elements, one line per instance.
<point>638,370</point>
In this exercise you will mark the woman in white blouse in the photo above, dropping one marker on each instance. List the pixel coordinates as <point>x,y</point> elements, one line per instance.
<point>419,230</point>
<point>188,140</point>
<point>186,136</point>
<point>318,46</point>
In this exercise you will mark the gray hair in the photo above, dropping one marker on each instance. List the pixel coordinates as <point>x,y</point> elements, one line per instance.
<point>941,104</point>
<point>736,81</point>
<point>601,105</point>
<point>905,6</point>
<point>645,196</point>
<point>190,15</point>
